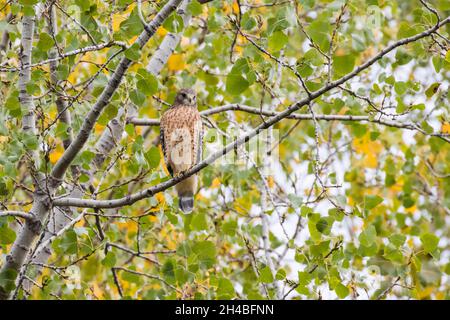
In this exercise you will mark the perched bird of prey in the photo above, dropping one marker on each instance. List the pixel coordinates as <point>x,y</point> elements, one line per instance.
<point>181,134</point>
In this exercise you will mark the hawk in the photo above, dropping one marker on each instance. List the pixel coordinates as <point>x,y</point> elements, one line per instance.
<point>181,134</point>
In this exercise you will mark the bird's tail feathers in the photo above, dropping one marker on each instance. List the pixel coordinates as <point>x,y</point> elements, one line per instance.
<point>186,202</point>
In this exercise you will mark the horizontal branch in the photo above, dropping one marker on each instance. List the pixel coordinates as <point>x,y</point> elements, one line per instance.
<point>132,198</point>
<point>146,275</point>
<point>67,54</point>
<point>19,214</point>
<point>296,116</point>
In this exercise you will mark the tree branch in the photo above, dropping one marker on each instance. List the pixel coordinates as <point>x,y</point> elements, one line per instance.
<point>296,116</point>
<point>19,214</point>
<point>66,55</point>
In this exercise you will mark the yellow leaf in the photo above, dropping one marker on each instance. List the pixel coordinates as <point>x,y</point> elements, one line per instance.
<point>350,201</point>
<point>129,226</point>
<point>425,293</point>
<point>370,149</point>
<point>270,182</point>
<point>215,183</point>
<point>138,130</point>
<point>132,40</point>
<point>226,8</point>
<point>160,197</point>
<point>370,161</point>
<point>80,223</point>
<point>3,139</point>
<point>238,49</point>
<point>98,128</point>
<point>55,154</point>
<point>175,62</point>
<point>440,296</point>
<point>446,127</point>
<point>161,31</point>
<point>98,293</point>
<point>235,7</point>
<point>117,20</point>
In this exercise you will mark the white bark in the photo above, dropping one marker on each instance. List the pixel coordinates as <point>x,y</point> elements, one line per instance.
<point>26,100</point>
<point>169,43</point>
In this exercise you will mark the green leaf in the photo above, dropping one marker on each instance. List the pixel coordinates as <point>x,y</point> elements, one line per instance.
<point>225,290</point>
<point>134,52</point>
<point>336,214</point>
<point>174,23</point>
<point>236,84</point>
<point>432,90</point>
<point>265,275</point>
<point>371,201</point>
<point>153,157</point>
<point>8,279</point>
<point>240,77</point>
<point>429,241</point>
<point>230,227</point>
<point>62,72</point>
<point>195,8</point>
<point>321,225</point>
<point>320,31</point>
<point>313,218</point>
<point>199,222</point>
<point>45,42</point>
<point>7,235</point>
<point>69,242</point>
<point>28,2</point>
<point>397,239</point>
<point>281,274</point>
<point>277,41</point>
<point>147,82</point>
<point>341,291</point>
<point>130,277</point>
<point>401,87</point>
<point>438,63</point>
<point>368,236</point>
<point>132,26</point>
<point>110,260</point>
<point>137,97</point>
<point>168,270</point>
<point>343,64</point>
<point>206,253</point>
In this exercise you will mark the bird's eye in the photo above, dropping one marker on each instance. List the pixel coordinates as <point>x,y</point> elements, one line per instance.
<point>183,95</point>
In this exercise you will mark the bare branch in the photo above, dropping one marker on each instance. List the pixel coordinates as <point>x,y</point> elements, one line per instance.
<point>97,47</point>
<point>296,116</point>
<point>19,214</point>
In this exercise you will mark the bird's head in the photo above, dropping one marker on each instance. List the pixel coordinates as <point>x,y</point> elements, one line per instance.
<point>186,97</point>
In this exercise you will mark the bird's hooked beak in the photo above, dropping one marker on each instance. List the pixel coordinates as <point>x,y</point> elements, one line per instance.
<point>192,99</point>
